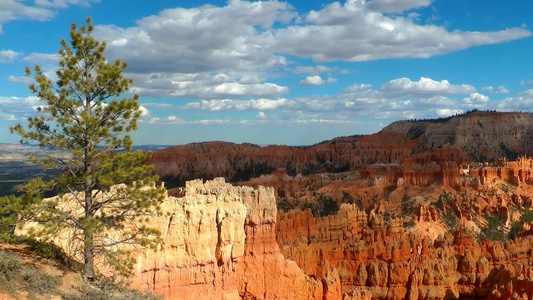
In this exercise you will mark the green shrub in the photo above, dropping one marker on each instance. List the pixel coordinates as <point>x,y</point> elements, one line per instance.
<point>450,219</point>
<point>324,206</point>
<point>527,217</point>
<point>409,223</point>
<point>493,230</point>
<point>10,267</point>
<point>408,206</point>
<point>36,282</point>
<point>15,275</point>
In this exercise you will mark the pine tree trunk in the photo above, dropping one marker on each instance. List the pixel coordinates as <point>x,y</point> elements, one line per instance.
<point>88,235</point>
<point>88,255</point>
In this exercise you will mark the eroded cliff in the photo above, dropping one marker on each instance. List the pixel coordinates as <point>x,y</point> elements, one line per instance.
<point>472,137</point>
<point>219,243</point>
<point>379,257</point>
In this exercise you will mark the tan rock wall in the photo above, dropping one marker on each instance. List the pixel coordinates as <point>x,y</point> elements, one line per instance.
<point>220,243</point>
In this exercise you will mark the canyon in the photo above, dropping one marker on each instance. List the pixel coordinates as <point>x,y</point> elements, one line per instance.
<point>423,209</point>
<point>230,242</point>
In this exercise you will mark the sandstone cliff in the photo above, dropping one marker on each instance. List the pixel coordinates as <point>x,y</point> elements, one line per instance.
<point>219,243</point>
<point>228,242</point>
<point>379,257</point>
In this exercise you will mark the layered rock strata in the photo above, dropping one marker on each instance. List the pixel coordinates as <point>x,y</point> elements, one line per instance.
<point>372,255</point>
<point>476,136</point>
<point>219,243</point>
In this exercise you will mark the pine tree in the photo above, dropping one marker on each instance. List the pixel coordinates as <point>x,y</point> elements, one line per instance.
<point>106,184</point>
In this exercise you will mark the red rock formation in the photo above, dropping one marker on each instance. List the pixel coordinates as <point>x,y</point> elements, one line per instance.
<point>219,243</point>
<point>379,257</point>
<point>478,136</point>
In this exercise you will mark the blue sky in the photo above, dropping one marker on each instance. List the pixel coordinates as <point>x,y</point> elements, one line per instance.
<point>275,72</point>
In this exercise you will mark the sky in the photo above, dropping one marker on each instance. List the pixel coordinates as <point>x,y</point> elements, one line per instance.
<point>291,72</point>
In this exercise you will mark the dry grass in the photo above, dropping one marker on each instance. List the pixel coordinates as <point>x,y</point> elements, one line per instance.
<point>27,274</point>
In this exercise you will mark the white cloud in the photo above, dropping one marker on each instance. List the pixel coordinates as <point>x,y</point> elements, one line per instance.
<point>499,90</point>
<point>202,39</point>
<point>476,100</point>
<point>312,80</point>
<point>241,40</point>
<point>15,10</point>
<point>144,111</point>
<point>173,120</point>
<point>9,56</point>
<point>401,99</point>
<point>42,58</point>
<point>64,3</point>
<point>424,86</point>
<point>444,112</point>
<point>42,10</point>
<point>202,86</point>
<point>522,102</point>
<point>524,83</point>
<point>14,108</point>
<point>261,116</point>
<point>313,70</point>
<point>356,88</point>
<point>352,32</point>
<point>239,105</point>
<point>396,6</point>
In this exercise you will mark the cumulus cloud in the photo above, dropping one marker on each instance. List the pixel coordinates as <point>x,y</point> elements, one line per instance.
<point>313,70</point>
<point>42,10</point>
<point>144,111</point>
<point>312,80</point>
<point>9,56</point>
<point>202,86</point>
<point>173,120</point>
<point>445,112</point>
<point>202,39</point>
<point>42,58</point>
<point>250,41</point>
<point>396,6</point>
<point>524,83</point>
<point>356,88</point>
<point>499,90</point>
<point>14,108</point>
<point>425,98</point>
<point>261,116</point>
<point>240,105</point>
<point>22,80</point>
<point>476,100</point>
<point>352,32</point>
<point>424,86</point>
<point>523,102</point>
<point>64,3</point>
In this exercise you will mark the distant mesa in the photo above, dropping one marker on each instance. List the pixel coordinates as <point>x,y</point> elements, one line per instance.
<point>477,136</point>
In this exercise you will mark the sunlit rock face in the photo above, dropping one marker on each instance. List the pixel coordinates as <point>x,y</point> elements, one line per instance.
<point>377,257</point>
<point>219,243</point>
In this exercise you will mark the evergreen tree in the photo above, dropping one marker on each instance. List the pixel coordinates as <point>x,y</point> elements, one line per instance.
<point>104,190</point>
